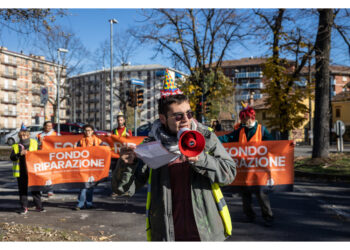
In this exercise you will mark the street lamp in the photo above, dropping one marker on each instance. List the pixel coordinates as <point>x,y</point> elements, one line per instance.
<point>58,88</point>
<point>111,21</point>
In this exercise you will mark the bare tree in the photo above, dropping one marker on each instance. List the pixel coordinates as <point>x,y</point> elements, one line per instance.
<point>70,63</point>
<point>196,38</point>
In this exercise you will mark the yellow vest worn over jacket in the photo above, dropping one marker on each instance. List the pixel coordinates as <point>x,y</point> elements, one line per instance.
<point>33,146</point>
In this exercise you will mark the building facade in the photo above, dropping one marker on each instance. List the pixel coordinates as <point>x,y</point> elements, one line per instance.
<point>21,79</point>
<point>90,93</point>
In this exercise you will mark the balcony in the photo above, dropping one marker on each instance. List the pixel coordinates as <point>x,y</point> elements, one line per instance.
<point>9,75</point>
<point>242,97</point>
<point>36,91</point>
<point>258,96</point>
<point>14,64</point>
<point>9,101</point>
<point>38,69</point>
<point>37,104</point>
<point>254,74</point>
<point>9,113</point>
<point>36,79</point>
<point>10,88</point>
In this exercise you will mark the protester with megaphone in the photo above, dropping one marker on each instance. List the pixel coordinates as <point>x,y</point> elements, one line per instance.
<point>184,201</point>
<point>248,130</point>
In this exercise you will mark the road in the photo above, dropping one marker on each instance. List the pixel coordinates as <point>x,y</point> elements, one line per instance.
<point>314,211</point>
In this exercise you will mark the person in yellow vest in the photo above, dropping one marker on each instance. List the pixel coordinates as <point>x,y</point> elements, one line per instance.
<point>18,154</point>
<point>47,131</point>
<point>249,130</point>
<point>85,196</point>
<point>121,130</point>
<point>184,200</point>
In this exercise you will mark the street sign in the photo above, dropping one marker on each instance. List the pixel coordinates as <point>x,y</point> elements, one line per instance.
<point>137,82</point>
<point>44,95</point>
<point>339,128</point>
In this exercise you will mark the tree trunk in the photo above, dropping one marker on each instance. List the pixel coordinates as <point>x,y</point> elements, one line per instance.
<point>322,111</point>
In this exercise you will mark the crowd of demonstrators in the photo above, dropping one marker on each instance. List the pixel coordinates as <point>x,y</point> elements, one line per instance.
<point>249,130</point>
<point>18,156</point>
<point>47,131</point>
<point>180,204</point>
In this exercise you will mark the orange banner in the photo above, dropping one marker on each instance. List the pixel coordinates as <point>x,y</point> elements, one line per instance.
<point>78,167</point>
<point>115,142</point>
<point>267,163</point>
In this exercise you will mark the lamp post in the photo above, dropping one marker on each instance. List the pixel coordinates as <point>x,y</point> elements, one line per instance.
<point>58,88</point>
<point>111,21</point>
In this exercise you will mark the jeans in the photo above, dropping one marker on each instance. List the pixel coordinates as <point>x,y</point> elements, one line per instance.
<point>85,197</point>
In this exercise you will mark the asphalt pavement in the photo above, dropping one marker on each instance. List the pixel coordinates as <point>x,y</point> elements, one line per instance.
<point>314,211</point>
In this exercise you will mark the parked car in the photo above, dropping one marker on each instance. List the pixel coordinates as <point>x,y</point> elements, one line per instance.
<point>12,137</point>
<point>143,130</point>
<point>74,129</point>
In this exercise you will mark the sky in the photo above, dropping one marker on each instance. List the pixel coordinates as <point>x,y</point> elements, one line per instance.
<point>92,27</point>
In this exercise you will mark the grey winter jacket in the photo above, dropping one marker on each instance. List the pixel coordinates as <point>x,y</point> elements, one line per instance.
<point>214,165</point>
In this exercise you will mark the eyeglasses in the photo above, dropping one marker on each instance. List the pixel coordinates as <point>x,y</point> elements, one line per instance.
<point>88,130</point>
<point>180,116</point>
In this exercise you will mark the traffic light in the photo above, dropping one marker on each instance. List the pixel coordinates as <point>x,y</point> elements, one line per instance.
<point>207,106</point>
<point>139,97</point>
<point>131,98</point>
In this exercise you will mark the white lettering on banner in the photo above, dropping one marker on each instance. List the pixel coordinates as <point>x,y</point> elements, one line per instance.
<point>247,151</point>
<point>264,162</point>
<point>69,155</point>
<point>84,163</point>
<point>63,145</point>
<point>118,145</point>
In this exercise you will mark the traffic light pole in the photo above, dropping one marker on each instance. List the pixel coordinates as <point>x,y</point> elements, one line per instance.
<point>135,111</point>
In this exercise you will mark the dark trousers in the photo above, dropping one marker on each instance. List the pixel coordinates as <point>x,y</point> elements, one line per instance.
<point>23,193</point>
<point>263,200</point>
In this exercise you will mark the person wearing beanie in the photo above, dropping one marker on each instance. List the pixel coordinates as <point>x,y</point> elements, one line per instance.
<point>249,130</point>
<point>18,156</point>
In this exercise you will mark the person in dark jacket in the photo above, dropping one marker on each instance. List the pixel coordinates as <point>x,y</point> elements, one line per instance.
<point>184,201</point>
<point>18,154</point>
<point>247,131</point>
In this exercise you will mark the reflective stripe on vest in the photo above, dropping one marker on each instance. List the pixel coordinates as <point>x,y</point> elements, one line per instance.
<point>123,133</point>
<point>148,204</point>
<point>33,146</point>
<point>222,207</point>
<point>257,137</point>
<point>219,199</point>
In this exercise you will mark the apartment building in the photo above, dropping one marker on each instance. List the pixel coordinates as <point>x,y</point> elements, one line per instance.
<point>247,75</point>
<point>21,79</point>
<point>90,93</point>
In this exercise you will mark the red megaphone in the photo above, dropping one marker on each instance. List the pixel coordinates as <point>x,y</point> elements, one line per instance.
<point>191,143</point>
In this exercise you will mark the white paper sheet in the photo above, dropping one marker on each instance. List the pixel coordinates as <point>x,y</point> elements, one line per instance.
<point>154,154</point>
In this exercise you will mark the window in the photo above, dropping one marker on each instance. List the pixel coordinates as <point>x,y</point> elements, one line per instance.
<point>337,113</point>
<point>345,78</point>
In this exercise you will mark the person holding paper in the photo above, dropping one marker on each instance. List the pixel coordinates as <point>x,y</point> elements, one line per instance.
<point>184,201</point>
<point>250,131</point>
<point>18,156</point>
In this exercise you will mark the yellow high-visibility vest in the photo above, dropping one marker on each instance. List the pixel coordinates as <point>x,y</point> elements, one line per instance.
<point>33,146</point>
<point>123,133</point>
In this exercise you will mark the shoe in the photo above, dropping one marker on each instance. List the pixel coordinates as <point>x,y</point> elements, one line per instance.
<point>50,194</point>
<point>77,208</point>
<point>24,211</point>
<point>91,207</point>
<point>40,210</point>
